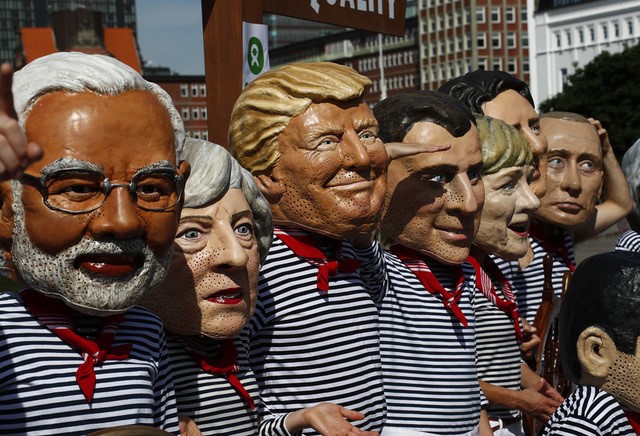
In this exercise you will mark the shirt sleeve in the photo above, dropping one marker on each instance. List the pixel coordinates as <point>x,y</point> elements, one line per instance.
<point>372,271</point>
<point>274,427</point>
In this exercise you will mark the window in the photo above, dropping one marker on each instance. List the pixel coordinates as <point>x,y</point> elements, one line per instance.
<point>558,40</point>
<point>525,66</point>
<point>195,113</point>
<point>580,36</point>
<point>511,40</point>
<point>525,40</point>
<point>496,40</point>
<point>564,75</point>
<point>205,135</point>
<point>523,14</point>
<point>480,14</point>
<point>605,31</point>
<point>185,113</point>
<point>512,66</point>
<point>203,113</point>
<point>184,90</point>
<point>616,30</point>
<point>450,20</point>
<point>496,64</point>
<point>467,16</point>
<point>469,41</point>
<point>482,63</point>
<point>458,18</point>
<point>482,40</point>
<point>510,14</point>
<point>592,34</point>
<point>203,90</point>
<point>568,38</point>
<point>194,90</point>
<point>630,27</point>
<point>495,14</point>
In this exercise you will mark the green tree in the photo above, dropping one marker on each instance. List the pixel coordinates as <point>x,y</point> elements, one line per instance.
<point>607,88</point>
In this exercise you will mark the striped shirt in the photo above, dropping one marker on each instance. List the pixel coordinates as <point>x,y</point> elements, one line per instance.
<point>211,402</point>
<point>428,356</point>
<point>39,393</point>
<point>307,346</point>
<point>527,283</point>
<point>498,349</point>
<point>629,241</point>
<point>589,411</point>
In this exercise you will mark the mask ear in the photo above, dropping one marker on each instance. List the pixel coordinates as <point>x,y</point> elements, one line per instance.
<point>596,352</point>
<point>270,186</point>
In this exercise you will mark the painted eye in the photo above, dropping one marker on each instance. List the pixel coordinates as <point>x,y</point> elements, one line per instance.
<point>588,166</point>
<point>508,186</point>
<point>439,178</point>
<point>535,128</point>
<point>555,162</point>
<point>474,175</point>
<point>191,234</point>
<point>244,229</point>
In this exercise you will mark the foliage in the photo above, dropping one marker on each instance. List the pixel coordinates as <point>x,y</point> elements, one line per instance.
<point>607,89</point>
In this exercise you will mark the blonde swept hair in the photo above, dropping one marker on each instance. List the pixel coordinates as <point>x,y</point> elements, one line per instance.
<point>502,145</point>
<point>265,106</point>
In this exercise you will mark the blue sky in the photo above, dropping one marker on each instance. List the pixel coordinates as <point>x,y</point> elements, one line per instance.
<point>170,34</point>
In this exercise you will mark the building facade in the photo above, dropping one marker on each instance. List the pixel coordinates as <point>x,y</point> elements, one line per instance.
<point>16,14</point>
<point>459,36</point>
<point>570,33</point>
<point>189,95</point>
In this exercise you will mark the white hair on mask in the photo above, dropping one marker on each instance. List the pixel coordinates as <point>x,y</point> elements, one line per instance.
<point>58,276</point>
<point>78,72</point>
<point>631,167</point>
<point>213,172</point>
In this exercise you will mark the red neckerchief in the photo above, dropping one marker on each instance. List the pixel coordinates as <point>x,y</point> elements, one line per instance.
<point>634,419</point>
<point>413,260</point>
<point>537,232</point>
<point>485,284</point>
<point>305,247</point>
<point>225,364</point>
<point>59,318</point>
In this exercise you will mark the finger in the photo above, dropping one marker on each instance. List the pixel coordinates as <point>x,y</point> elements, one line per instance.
<point>397,150</point>
<point>33,153</point>
<point>351,414</point>
<point>6,95</point>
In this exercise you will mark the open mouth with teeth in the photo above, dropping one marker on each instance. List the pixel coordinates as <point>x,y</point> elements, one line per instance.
<point>109,265</point>
<point>227,296</point>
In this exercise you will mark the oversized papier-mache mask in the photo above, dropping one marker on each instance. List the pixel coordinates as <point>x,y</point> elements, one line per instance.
<point>225,230</point>
<point>93,221</point>
<point>509,199</point>
<point>574,170</point>
<point>599,326</point>
<point>433,200</point>
<point>312,145</point>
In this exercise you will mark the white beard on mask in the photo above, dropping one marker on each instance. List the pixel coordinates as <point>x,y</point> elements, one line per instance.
<point>58,276</point>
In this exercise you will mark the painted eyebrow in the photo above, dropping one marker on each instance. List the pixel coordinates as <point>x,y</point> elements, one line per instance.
<point>320,130</point>
<point>195,217</point>
<point>365,123</point>
<point>242,214</point>
<point>69,163</point>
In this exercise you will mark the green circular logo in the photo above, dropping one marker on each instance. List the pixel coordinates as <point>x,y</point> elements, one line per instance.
<point>255,55</point>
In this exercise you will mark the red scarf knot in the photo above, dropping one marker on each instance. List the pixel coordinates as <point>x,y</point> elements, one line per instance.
<point>485,285</point>
<point>59,318</point>
<point>307,248</point>
<point>224,364</point>
<point>415,262</point>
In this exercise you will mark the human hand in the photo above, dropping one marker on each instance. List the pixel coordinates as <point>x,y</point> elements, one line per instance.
<point>328,419</point>
<point>540,401</point>
<point>188,427</point>
<point>605,145</point>
<point>397,150</point>
<point>530,341</point>
<point>15,153</point>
